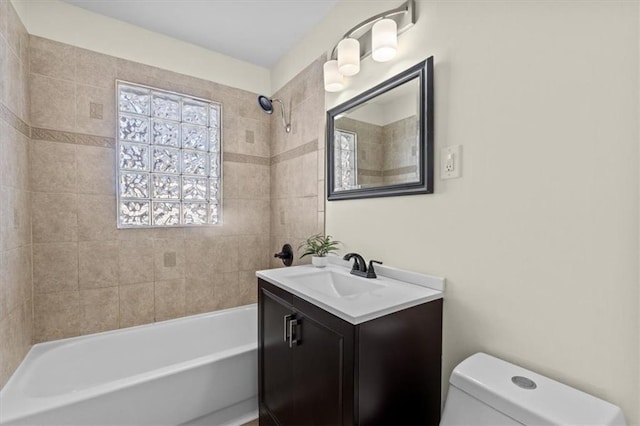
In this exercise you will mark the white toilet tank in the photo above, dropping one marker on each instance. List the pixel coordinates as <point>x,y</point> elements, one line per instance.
<point>484,390</point>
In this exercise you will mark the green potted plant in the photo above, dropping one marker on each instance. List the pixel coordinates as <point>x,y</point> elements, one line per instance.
<point>318,246</point>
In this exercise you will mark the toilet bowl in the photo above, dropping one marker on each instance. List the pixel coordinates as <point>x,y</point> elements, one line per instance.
<point>484,390</point>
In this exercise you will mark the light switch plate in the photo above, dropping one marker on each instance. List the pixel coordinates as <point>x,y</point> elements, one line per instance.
<point>451,162</point>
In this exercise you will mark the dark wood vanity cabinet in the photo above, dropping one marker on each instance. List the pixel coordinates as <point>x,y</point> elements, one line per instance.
<point>317,369</point>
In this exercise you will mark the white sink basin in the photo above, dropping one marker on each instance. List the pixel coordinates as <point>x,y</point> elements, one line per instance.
<point>334,284</point>
<point>352,298</point>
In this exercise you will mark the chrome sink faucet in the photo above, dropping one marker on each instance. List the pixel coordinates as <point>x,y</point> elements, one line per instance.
<point>360,266</point>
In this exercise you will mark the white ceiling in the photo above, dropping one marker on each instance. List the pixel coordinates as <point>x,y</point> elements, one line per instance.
<point>256,31</point>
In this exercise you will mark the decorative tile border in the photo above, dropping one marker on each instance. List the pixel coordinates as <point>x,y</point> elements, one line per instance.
<point>38,133</point>
<point>368,172</point>
<point>92,140</point>
<point>296,152</point>
<point>400,171</point>
<point>246,159</point>
<point>14,121</point>
<point>52,135</point>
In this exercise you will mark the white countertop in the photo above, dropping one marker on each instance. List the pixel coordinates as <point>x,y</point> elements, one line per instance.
<point>388,296</point>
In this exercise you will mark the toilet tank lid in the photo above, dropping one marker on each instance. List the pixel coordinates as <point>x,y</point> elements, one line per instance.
<point>489,379</point>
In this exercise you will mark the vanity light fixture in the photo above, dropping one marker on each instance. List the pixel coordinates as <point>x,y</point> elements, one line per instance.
<point>333,80</point>
<point>377,36</point>
<point>385,40</point>
<point>349,57</point>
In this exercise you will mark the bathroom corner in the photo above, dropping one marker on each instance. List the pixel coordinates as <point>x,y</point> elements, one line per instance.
<point>16,297</point>
<point>297,162</point>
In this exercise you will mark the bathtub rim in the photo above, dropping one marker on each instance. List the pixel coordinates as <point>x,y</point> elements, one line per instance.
<point>21,405</point>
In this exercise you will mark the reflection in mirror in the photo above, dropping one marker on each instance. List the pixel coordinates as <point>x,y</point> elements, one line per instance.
<point>380,143</point>
<point>377,141</point>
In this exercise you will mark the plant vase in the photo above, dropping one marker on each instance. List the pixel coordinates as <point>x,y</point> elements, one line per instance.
<point>319,261</point>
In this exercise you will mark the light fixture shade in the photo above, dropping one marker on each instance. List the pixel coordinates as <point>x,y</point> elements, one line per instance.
<point>333,80</point>
<point>384,41</point>
<point>349,57</point>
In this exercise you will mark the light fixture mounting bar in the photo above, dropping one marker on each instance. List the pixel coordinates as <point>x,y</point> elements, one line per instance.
<point>404,15</point>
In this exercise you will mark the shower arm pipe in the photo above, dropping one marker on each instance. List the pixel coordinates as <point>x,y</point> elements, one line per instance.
<point>287,126</point>
<point>402,9</point>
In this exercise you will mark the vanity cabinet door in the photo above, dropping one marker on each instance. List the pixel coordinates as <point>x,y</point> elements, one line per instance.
<point>322,367</point>
<point>276,386</point>
<point>305,362</point>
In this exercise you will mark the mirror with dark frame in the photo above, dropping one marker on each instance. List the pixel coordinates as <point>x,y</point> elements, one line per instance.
<point>380,143</point>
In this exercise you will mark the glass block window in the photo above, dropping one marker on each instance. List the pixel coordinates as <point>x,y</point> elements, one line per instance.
<point>168,157</point>
<point>346,150</point>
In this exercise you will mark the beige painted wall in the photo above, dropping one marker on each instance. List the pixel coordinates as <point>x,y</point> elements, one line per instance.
<point>59,21</point>
<point>539,239</point>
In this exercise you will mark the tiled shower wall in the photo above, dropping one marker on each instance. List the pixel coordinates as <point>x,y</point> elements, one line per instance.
<point>90,276</point>
<point>297,162</point>
<point>65,269</point>
<point>15,209</point>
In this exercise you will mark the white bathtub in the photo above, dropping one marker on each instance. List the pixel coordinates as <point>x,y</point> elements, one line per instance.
<point>198,370</point>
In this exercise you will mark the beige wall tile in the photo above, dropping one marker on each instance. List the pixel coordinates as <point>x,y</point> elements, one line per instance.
<point>97,217</point>
<point>253,181</point>
<point>55,267</point>
<point>253,138</point>
<point>56,315</point>
<point>12,331</point>
<point>305,222</point>
<point>96,170</point>
<point>4,69</point>
<point>95,110</point>
<point>15,225</point>
<point>168,259</point>
<point>14,158</point>
<point>16,95</point>
<point>135,261</point>
<point>308,178</point>
<point>3,287</point>
<point>50,58</point>
<point>322,195</point>
<point>99,310</point>
<point>199,296</point>
<point>53,167</point>
<point>95,69</point>
<point>248,106</point>
<point>226,255</point>
<point>18,277</point>
<point>136,72</point>
<point>4,4</point>
<point>97,264</point>
<point>199,255</point>
<point>53,103</point>
<point>136,304</point>
<point>14,29</point>
<point>247,288</point>
<point>231,219</point>
<point>225,291</point>
<point>253,252</point>
<point>254,216</point>
<point>55,217</point>
<point>231,179</point>
<point>169,299</point>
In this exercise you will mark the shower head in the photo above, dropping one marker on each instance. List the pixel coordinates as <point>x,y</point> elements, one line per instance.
<point>267,106</point>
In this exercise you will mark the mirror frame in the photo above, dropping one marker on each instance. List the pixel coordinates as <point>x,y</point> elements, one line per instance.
<point>424,72</point>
